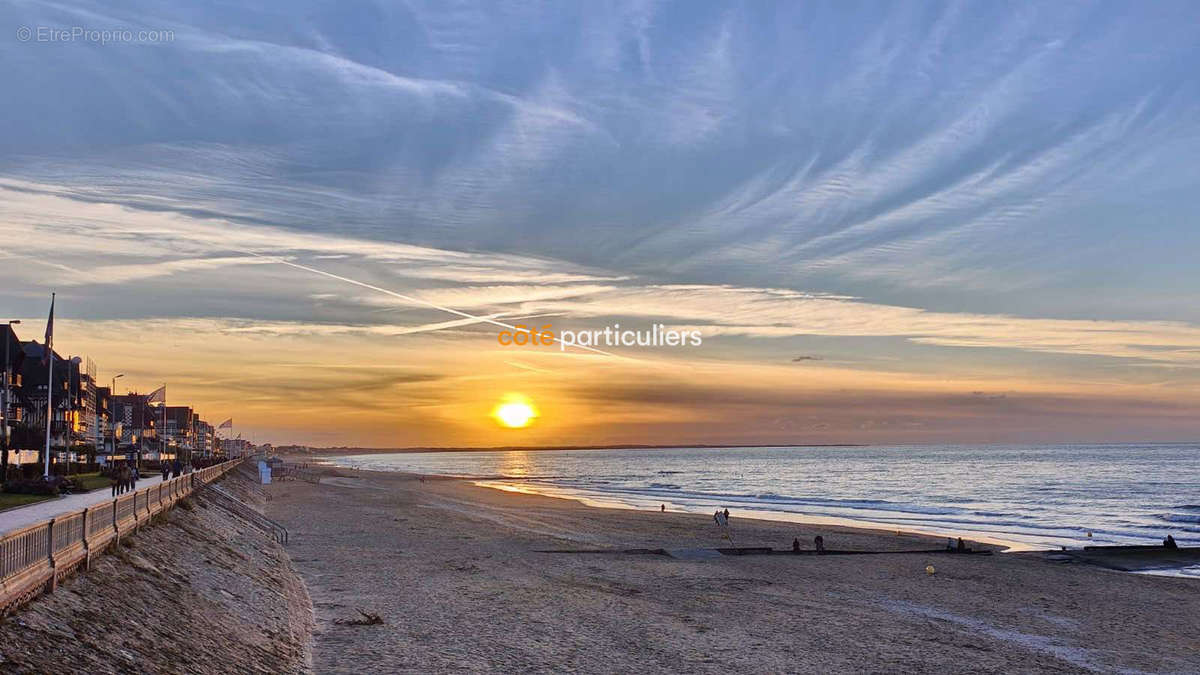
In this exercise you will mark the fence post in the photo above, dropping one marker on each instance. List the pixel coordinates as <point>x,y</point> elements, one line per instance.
<point>50,554</point>
<point>87,549</point>
<point>116,530</point>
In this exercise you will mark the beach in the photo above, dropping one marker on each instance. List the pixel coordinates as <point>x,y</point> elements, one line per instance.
<point>461,578</point>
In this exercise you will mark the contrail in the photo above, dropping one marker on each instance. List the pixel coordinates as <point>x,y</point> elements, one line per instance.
<point>409,298</point>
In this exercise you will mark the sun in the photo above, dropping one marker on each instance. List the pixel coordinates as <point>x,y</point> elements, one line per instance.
<point>514,412</point>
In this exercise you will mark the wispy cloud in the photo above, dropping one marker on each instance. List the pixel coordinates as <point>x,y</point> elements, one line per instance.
<point>565,290</point>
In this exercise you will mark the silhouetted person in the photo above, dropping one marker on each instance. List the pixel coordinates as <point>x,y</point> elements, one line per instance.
<point>114,477</point>
<point>819,541</point>
<point>1169,542</point>
<point>176,468</point>
<point>962,546</point>
<point>664,508</point>
<point>796,545</point>
<point>726,515</point>
<point>166,471</point>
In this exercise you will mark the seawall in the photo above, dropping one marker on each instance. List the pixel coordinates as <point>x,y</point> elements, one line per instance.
<point>198,590</point>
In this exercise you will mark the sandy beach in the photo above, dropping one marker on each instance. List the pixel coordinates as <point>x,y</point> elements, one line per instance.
<point>458,574</point>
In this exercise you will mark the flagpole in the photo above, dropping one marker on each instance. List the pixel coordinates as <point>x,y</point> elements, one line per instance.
<point>49,389</point>
<point>49,412</point>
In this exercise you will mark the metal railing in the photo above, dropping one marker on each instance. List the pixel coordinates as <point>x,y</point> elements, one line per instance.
<point>34,558</point>
<point>246,512</point>
<point>284,471</point>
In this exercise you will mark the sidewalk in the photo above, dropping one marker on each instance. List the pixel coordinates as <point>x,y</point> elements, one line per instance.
<point>36,513</point>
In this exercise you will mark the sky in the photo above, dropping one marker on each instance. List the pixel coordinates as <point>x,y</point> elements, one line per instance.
<point>891,223</point>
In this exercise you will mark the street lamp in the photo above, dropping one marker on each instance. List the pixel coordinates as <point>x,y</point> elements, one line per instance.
<point>112,417</point>
<point>4,397</point>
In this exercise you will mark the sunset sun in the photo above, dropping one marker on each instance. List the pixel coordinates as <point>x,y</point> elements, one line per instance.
<point>514,412</point>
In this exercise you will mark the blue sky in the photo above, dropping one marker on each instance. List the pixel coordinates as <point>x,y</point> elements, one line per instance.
<point>934,184</point>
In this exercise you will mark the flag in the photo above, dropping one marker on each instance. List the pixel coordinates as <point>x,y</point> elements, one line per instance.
<point>49,334</point>
<point>227,424</point>
<point>158,395</point>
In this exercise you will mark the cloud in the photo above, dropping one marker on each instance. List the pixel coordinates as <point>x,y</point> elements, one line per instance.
<point>963,152</point>
<point>914,190</point>
<point>149,243</point>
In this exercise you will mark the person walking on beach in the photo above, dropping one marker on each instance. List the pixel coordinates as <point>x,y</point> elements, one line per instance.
<point>726,516</point>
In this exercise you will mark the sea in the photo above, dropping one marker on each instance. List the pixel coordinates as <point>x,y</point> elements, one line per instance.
<point>1022,496</point>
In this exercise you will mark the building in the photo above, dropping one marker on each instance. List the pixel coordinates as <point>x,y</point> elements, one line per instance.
<point>29,437</point>
<point>236,447</point>
<point>179,434</point>
<point>82,414</point>
<point>104,430</point>
<point>136,425</point>
<point>89,423</point>
<point>205,439</point>
<point>11,410</point>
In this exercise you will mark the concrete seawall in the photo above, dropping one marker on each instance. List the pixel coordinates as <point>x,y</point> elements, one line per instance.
<point>198,591</point>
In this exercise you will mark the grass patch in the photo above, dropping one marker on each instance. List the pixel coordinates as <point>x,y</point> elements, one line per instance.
<point>10,501</point>
<point>92,481</point>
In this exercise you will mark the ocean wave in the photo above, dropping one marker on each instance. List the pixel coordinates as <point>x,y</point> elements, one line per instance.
<point>1179,518</point>
<point>1059,503</point>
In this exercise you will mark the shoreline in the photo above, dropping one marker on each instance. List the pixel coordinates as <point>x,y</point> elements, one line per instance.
<point>1005,546</point>
<point>818,486</point>
<point>980,541</point>
<point>992,543</point>
<point>835,524</point>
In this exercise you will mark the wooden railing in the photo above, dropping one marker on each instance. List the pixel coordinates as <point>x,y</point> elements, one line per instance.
<point>34,558</point>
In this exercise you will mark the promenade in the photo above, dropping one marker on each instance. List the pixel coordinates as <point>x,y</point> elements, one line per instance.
<point>35,513</point>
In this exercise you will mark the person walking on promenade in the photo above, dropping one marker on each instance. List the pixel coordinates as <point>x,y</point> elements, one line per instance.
<point>123,479</point>
<point>133,477</point>
<point>114,477</point>
<point>165,469</point>
<point>176,468</point>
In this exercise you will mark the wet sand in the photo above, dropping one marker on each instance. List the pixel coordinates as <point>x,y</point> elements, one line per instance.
<point>455,572</point>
